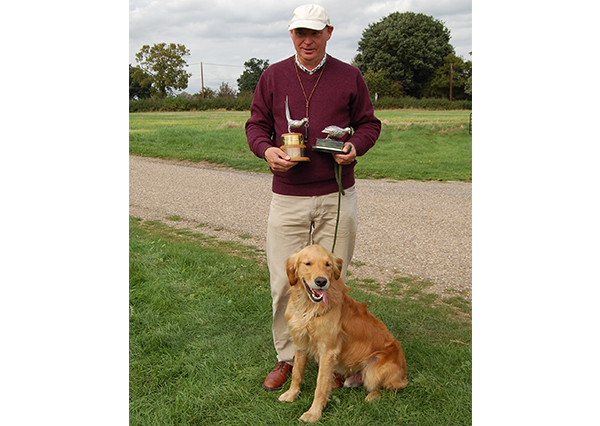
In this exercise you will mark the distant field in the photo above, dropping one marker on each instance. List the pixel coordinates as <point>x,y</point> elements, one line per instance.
<point>424,117</point>
<point>414,144</point>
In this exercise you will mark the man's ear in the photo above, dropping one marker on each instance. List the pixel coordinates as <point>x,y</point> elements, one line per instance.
<point>329,29</point>
<point>291,269</point>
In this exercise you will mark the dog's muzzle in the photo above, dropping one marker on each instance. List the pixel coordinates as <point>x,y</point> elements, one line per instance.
<point>317,295</point>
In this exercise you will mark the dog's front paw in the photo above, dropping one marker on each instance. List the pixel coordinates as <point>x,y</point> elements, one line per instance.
<point>372,396</point>
<point>310,417</point>
<point>289,396</point>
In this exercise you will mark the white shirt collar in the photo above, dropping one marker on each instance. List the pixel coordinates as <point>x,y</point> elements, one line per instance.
<point>317,68</point>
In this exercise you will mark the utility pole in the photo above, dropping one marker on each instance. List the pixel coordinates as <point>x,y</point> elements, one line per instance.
<point>202,79</point>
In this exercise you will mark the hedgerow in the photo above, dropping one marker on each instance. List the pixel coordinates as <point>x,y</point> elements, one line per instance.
<point>242,103</point>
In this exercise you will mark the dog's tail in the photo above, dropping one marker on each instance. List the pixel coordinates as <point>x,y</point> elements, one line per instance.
<point>386,369</point>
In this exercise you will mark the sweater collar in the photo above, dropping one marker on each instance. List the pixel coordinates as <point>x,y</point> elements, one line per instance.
<point>306,70</point>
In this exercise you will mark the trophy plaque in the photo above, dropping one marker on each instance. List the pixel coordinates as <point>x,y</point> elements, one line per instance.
<point>329,145</point>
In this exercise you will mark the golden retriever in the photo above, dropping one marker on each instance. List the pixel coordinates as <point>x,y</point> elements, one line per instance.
<point>338,332</point>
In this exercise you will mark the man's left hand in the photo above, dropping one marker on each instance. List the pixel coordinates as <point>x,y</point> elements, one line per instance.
<point>348,157</point>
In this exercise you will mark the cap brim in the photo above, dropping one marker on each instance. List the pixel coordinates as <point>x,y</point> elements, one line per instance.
<point>311,25</point>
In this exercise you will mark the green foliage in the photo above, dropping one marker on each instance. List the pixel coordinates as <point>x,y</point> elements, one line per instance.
<point>249,78</point>
<point>200,342</point>
<point>469,86</point>
<point>208,93</point>
<point>380,85</point>
<point>461,71</point>
<point>165,66</point>
<point>243,101</point>
<point>139,83</point>
<point>146,105</point>
<point>225,91</point>
<point>175,104</point>
<point>431,104</point>
<point>192,103</point>
<point>407,46</point>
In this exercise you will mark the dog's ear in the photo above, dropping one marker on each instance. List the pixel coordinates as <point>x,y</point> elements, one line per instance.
<point>337,267</point>
<point>291,269</point>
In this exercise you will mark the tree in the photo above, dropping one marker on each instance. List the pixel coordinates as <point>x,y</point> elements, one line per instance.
<point>380,85</point>
<point>249,78</point>
<point>469,87</point>
<point>225,91</point>
<point>165,64</point>
<point>407,46</point>
<point>208,93</point>
<point>439,86</point>
<point>139,83</point>
<point>469,84</point>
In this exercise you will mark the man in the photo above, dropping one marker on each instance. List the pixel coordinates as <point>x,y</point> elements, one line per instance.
<point>321,91</point>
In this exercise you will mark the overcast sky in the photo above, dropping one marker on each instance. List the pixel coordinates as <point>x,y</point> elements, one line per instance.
<point>223,34</point>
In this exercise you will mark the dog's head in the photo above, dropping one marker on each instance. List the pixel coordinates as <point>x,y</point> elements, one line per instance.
<point>315,268</point>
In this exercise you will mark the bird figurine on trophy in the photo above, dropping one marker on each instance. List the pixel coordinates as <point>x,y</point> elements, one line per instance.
<point>331,145</point>
<point>293,143</point>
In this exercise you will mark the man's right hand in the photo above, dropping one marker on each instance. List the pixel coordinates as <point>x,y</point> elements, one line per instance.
<point>278,160</point>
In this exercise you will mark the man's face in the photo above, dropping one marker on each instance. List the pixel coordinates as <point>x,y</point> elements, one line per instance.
<point>310,44</point>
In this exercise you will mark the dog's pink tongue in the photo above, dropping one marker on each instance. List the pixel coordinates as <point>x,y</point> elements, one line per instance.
<point>324,294</point>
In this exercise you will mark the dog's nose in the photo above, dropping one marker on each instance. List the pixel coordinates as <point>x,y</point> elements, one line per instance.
<point>321,281</point>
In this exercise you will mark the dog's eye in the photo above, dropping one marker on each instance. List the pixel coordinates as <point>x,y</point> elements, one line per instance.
<point>328,264</point>
<point>307,263</point>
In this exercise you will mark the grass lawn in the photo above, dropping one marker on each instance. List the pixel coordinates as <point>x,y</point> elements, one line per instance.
<point>414,144</point>
<point>201,344</point>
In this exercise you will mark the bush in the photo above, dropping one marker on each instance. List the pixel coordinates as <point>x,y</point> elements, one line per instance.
<point>193,103</point>
<point>145,105</point>
<point>434,104</point>
<point>175,104</point>
<point>242,103</point>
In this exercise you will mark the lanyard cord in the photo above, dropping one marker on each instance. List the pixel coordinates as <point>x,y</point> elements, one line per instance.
<point>307,99</point>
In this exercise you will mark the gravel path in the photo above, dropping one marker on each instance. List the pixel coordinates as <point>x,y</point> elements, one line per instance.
<point>405,228</point>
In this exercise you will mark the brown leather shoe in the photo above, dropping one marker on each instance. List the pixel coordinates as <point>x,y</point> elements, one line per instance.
<point>276,378</point>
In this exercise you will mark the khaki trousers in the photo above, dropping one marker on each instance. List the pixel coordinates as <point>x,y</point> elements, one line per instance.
<point>294,223</point>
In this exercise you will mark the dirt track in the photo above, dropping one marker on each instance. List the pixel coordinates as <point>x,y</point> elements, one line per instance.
<point>405,228</point>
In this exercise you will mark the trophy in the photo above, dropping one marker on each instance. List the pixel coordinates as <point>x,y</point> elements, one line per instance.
<point>293,143</point>
<point>331,145</point>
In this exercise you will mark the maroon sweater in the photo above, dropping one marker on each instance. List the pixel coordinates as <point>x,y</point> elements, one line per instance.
<point>341,98</point>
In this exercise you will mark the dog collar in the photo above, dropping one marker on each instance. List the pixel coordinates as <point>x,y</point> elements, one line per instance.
<point>323,313</point>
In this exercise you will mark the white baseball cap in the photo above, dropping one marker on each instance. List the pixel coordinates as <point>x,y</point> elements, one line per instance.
<point>311,16</point>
